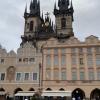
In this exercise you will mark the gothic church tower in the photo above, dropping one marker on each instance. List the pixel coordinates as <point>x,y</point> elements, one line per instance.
<point>64,18</point>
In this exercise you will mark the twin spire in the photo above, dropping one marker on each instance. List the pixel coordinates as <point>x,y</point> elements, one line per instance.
<point>65,7</point>
<point>63,4</point>
<point>34,8</point>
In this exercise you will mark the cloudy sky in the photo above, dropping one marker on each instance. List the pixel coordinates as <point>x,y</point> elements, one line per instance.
<point>86,19</point>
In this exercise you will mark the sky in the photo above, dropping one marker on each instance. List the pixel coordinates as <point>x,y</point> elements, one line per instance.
<point>86,19</point>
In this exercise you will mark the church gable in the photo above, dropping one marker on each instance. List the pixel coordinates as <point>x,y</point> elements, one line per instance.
<point>92,39</point>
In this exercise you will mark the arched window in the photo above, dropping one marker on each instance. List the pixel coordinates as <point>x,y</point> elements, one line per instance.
<point>63,22</point>
<point>31,25</point>
<point>48,89</point>
<point>17,90</point>
<point>31,89</point>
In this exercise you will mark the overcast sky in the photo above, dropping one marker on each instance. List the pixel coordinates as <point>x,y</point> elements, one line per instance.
<point>86,19</point>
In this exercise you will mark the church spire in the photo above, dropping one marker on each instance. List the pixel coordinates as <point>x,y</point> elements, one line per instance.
<point>55,7</point>
<point>72,10</point>
<point>35,8</point>
<point>25,13</point>
<point>31,5</point>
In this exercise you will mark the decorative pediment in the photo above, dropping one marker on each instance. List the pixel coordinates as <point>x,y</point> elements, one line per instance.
<point>92,39</point>
<point>73,40</point>
<point>12,53</point>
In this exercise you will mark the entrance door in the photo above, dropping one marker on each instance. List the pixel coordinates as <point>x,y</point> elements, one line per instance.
<point>78,94</point>
<point>95,94</point>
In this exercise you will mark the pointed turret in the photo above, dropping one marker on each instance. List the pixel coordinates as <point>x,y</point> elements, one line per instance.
<point>31,6</point>
<point>72,10</point>
<point>35,8</point>
<point>63,4</point>
<point>25,13</point>
<point>55,7</point>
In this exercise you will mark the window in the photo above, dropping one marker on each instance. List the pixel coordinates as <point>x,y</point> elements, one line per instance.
<point>80,50</point>
<point>55,51</point>
<point>82,75</point>
<point>2,61</point>
<point>63,60</point>
<point>89,50</point>
<point>81,61</point>
<point>56,75</point>
<point>97,49</point>
<point>26,77</point>
<point>98,60</point>
<point>74,60</point>
<point>32,59</point>
<point>89,61</point>
<point>63,75</point>
<point>34,76</point>
<point>48,60</point>
<point>31,26</point>
<point>73,50</point>
<point>48,74</point>
<point>25,60</point>
<point>20,60</point>
<point>98,75</point>
<point>63,51</point>
<point>91,75</point>
<point>2,76</point>
<point>63,22</point>
<point>74,75</point>
<point>18,76</point>
<point>48,51</point>
<point>56,62</point>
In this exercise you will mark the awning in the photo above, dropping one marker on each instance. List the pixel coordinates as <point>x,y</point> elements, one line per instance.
<point>2,93</point>
<point>25,93</point>
<point>57,93</point>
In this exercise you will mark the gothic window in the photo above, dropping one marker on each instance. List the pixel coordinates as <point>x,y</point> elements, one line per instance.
<point>31,26</point>
<point>63,22</point>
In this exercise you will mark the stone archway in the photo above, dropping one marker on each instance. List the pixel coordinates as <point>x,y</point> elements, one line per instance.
<point>78,94</point>
<point>31,89</point>
<point>48,89</point>
<point>95,94</point>
<point>2,94</point>
<point>17,90</point>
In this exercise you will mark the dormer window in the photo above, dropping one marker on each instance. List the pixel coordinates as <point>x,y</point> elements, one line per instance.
<point>63,22</point>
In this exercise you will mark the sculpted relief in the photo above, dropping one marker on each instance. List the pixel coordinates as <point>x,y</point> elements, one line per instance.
<point>11,73</point>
